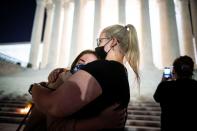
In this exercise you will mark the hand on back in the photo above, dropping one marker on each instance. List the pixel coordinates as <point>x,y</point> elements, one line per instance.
<point>54,74</point>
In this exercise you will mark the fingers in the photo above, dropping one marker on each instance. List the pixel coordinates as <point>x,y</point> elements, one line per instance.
<point>43,84</point>
<point>37,85</point>
<point>54,75</point>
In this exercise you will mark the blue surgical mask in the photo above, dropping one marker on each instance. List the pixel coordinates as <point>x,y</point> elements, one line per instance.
<point>77,68</point>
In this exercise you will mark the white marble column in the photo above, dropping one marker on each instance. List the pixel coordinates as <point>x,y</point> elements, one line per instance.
<point>169,45</point>
<point>66,35</point>
<point>47,33</point>
<point>144,35</point>
<point>109,12</point>
<point>184,28</point>
<point>56,34</point>
<point>97,20</point>
<point>142,24</point>
<point>137,12</point>
<point>86,25</point>
<point>122,11</point>
<point>73,48</point>
<point>37,33</point>
<point>193,5</point>
<point>77,32</point>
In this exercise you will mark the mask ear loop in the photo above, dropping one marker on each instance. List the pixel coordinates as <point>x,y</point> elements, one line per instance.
<point>112,47</point>
<point>106,44</point>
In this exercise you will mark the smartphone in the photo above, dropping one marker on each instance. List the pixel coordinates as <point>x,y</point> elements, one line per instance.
<point>167,73</point>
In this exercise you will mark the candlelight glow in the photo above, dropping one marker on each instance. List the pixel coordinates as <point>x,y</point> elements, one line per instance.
<point>25,109</point>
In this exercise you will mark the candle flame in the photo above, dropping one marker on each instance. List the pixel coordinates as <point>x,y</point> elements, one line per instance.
<point>25,109</point>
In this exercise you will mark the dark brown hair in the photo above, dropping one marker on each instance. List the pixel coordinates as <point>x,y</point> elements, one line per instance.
<point>184,66</point>
<point>80,55</point>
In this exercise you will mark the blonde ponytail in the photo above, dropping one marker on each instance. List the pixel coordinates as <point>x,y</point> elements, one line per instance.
<point>132,54</point>
<point>127,37</point>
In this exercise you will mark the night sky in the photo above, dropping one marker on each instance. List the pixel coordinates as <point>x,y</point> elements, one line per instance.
<point>16,20</point>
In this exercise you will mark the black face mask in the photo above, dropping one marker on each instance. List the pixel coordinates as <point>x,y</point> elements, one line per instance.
<point>101,52</point>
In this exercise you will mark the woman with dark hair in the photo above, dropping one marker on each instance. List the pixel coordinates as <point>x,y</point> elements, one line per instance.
<point>83,58</point>
<point>79,59</point>
<point>57,76</point>
<point>177,97</point>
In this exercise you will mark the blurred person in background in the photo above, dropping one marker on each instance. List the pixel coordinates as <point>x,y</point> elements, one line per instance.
<point>177,97</point>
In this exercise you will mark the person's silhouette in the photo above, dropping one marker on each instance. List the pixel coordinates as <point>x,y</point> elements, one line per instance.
<point>177,97</point>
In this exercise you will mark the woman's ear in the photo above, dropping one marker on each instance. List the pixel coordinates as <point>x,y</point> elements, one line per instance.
<point>114,42</point>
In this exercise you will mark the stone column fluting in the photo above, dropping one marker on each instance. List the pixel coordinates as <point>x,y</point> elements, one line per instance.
<point>168,54</point>
<point>184,28</point>
<point>37,33</point>
<point>56,34</point>
<point>122,11</point>
<point>77,31</point>
<point>97,20</point>
<point>47,33</point>
<point>145,36</point>
<point>193,6</point>
<point>66,36</point>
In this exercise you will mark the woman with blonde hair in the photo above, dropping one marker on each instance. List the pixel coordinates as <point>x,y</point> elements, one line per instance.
<point>97,85</point>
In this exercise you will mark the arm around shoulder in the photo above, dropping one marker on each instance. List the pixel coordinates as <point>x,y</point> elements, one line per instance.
<point>80,89</point>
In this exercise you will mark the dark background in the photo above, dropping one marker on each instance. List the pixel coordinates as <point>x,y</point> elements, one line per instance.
<point>16,20</point>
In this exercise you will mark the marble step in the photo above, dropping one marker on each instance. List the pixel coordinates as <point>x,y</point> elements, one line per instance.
<point>144,112</point>
<point>10,119</point>
<point>8,127</point>
<point>12,102</point>
<point>146,103</point>
<point>144,108</point>
<point>12,105</point>
<point>141,128</point>
<point>11,114</point>
<point>143,117</point>
<point>10,110</point>
<point>143,123</point>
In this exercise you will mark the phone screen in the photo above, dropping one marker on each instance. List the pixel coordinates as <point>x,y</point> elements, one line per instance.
<point>167,72</point>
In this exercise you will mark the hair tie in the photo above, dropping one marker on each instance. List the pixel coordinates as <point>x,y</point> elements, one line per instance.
<point>127,28</point>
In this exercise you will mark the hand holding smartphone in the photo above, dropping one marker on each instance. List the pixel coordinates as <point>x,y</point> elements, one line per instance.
<point>167,74</point>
